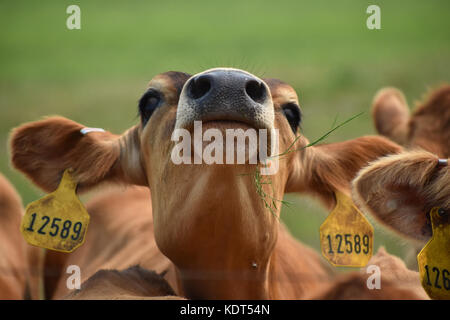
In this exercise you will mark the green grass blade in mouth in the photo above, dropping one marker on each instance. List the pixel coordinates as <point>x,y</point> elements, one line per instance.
<point>331,131</point>
<point>258,179</point>
<point>323,137</point>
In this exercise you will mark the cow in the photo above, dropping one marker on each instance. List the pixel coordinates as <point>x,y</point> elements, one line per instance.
<point>134,283</point>
<point>216,227</point>
<point>396,282</point>
<point>20,263</point>
<point>400,190</point>
<point>120,235</point>
<point>427,128</point>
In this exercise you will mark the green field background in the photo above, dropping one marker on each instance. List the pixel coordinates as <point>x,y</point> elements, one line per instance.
<point>96,75</point>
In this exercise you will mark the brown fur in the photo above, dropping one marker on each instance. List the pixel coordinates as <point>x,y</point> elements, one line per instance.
<point>428,127</point>
<point>134,283</point>
<point>400,190</point>
<point>397,282</point>
<point>20,263</point>
<point>108,229</point>
<point>120,234</point>
<point>48,147</point>
<point>329,167</point>
<point>222,241</point>
<point>390,114</point>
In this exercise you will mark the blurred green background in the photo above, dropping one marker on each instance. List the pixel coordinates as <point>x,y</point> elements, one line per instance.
<point>96,75</point>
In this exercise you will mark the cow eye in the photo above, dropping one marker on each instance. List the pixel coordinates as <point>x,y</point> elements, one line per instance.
<point>293,115</point>
<point>148,103</point>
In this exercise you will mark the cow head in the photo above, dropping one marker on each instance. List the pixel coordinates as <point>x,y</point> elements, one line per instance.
<point>400,190</point>
<point>427,127</point>
<point>209,219</point>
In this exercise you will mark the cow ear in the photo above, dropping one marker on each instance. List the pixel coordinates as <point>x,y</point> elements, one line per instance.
<point>324,169</point>
<point>390,114</point>
<point>42,150</point>
<point>400,190</point>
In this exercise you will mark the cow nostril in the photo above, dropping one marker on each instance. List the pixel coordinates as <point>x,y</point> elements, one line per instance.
<point>199,87</point>
<point>256,91</point>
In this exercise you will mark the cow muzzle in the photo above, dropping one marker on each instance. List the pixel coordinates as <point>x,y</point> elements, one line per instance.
<point>224,94</point>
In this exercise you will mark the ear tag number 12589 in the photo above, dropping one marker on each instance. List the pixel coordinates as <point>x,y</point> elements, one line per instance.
<point>58,221</point>
<point>434,258</point>
<point>346,236</point>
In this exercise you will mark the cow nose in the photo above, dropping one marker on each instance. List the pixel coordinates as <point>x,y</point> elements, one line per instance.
<point>226,94</point>
<point>256,91</point>
<point>201,86</point>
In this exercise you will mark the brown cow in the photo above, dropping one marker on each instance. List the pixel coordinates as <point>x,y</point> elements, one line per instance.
<point>397,282</point>
<point>134,283</point>
<point>20,263</point>
<point>120,235</point>
<point>400,191</point>
<point>428,127</point>
<point>220,229</point>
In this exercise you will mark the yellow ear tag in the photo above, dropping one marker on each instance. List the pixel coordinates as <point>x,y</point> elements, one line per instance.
<point>346,236</point>
<point>58,221</point>
<point>434,258</point>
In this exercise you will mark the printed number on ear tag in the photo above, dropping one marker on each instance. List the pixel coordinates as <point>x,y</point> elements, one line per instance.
<point>346,236</point>
<point>434,258</point>
<point>58,221</point>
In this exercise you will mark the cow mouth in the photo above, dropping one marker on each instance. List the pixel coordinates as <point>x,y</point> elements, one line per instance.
<point>229,135</point>
<point>223,124</point>
<point>223,121</point>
